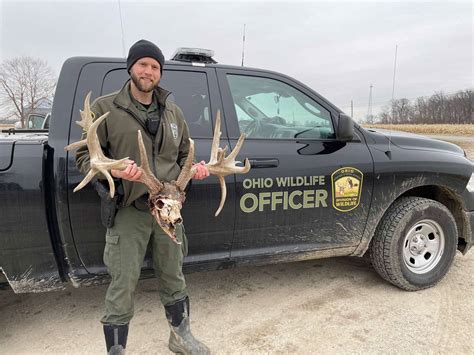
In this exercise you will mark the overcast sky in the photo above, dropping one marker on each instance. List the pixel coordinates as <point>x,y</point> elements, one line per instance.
<point>336,48</point>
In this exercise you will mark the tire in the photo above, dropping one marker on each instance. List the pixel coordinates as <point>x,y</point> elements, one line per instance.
<point>414,243</point>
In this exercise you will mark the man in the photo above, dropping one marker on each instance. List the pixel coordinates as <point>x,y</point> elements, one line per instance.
<point>142,104</point>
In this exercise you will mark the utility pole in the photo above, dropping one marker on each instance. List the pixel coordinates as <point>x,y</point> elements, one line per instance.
<point>369,109</point>
<point>243,46</point>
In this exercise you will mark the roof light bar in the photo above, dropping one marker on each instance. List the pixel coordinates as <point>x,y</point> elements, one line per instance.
<point>198,55</point>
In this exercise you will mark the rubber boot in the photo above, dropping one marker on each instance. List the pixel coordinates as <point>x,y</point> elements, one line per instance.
<point>116,338</point>
<point>181,340</point>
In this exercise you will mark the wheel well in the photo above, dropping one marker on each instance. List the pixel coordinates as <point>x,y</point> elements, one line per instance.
<point>452,201</point>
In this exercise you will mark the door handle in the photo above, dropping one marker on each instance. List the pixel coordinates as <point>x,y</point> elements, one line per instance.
<point>264,163</point>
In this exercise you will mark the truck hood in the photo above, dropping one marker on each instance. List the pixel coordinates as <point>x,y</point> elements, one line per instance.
<point>411,141</point>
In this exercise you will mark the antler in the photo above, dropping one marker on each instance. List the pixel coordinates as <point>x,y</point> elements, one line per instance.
<point>218,164</point>
<point>98,161</point>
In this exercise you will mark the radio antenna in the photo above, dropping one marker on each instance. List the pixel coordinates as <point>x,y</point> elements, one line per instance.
<point>243,46</point>
<point>123,34</point>
<point>389,152</point>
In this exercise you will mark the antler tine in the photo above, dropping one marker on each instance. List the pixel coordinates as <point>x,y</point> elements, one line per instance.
<point>99,163</point>
<point>187,171</point>
<point>85,123</point>
<point>76,145</point>
<point>232,155</point>
<point>92,138</point>
<point>220,165</point>
<point>221,155</point>
<point>148,178</point>
<point>223,195</point>
<point>86,115</point>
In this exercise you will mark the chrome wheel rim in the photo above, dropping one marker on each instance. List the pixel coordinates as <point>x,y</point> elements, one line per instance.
<point>423,246</point>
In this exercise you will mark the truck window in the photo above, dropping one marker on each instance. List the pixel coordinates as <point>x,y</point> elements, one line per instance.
<point>268,108</point>
<point>35,121</point>
<point>189,91</point>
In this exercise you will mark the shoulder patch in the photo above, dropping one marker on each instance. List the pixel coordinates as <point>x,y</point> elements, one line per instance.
<point>174,130</point>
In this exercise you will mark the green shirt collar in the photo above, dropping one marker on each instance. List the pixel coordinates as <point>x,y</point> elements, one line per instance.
<point>140,107</point>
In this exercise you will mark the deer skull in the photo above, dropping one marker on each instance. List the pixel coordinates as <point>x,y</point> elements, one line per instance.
<point>166,208</point>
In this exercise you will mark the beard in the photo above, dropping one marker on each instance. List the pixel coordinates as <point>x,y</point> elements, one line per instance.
<point>143,85</point>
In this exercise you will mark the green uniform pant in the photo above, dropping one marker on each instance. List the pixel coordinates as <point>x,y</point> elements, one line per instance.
<point>125,247</point>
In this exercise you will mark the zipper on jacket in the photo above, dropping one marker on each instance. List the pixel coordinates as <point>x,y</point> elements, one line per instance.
<point>153,138</point>
<point>162,115</point>
<point>145,130</point>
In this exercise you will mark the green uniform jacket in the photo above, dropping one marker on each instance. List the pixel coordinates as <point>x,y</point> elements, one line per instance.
<point>167,151</point>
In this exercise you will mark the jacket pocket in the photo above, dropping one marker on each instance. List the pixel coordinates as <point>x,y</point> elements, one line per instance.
<point>112,253</point>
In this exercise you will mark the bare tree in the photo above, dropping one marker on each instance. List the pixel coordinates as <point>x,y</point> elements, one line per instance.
<point>438,108</point>
<point>24,83</point>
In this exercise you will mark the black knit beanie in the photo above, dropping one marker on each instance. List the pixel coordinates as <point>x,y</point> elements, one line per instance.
<point>144,48</point>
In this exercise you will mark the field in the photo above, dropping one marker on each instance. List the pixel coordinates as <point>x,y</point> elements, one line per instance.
<point>448,129</point>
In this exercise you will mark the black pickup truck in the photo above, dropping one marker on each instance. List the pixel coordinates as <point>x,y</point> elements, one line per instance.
<point>320,185</point>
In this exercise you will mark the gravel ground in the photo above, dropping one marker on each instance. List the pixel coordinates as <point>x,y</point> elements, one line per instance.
<point>335,305</point>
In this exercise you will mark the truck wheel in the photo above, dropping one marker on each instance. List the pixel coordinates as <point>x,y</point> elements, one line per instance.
<point>414,243</point>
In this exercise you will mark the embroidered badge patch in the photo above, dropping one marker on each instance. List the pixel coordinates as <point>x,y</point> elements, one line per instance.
<point>174,129</point>
<point>346,188</point>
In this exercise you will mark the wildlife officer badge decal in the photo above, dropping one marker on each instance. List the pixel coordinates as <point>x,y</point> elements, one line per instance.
<point>346,188</point>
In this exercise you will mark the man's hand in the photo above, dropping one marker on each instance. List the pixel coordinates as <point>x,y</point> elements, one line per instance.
<point>130,173</point>
<point>201,171</point>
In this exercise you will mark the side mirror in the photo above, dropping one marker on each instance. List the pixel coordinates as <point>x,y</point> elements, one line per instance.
<point>345,128</point>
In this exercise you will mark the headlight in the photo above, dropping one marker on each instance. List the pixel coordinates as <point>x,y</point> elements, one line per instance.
<point>470,184</point>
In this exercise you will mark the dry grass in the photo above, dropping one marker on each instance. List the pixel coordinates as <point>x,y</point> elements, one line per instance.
<point>448,129</point>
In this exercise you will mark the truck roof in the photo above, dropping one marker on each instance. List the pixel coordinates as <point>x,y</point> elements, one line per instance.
<point>87,60</point>
<point>81,61</point>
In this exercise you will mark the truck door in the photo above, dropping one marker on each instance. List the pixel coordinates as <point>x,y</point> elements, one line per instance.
<point>195,91</point>
<point>306,189</point>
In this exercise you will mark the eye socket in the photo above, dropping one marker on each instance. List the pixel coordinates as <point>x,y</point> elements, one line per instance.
<point>160,204</point>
